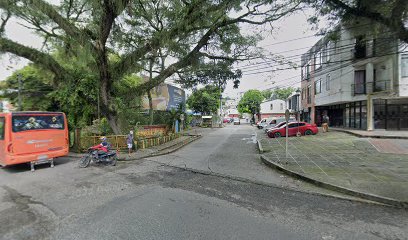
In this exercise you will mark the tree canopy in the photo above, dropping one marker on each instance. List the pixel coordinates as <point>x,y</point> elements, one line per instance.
<point>251,102</point>
<point>392,14</point>
<point>282,93</point>
<point>277,93</point>
<point>205,100</point>
<point>111,39</point>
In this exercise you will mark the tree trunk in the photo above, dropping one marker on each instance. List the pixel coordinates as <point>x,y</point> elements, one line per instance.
<point>105,85</point>
<point>149,96</point>
<point>253,117</point>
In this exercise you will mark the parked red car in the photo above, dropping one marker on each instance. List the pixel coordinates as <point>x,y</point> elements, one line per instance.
<point>303,127</point>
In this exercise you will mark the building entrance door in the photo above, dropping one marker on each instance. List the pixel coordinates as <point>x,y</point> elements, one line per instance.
<point>380,114</point>
<point>393,119</point>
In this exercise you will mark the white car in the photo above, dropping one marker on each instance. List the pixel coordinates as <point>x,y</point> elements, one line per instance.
<point>278,123</point>
<point>237,121</point>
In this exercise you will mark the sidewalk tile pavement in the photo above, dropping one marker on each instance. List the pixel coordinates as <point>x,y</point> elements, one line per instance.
<point>374,166</point>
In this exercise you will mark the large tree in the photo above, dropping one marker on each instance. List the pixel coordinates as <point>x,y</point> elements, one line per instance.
<point>187,32</point>
<point>205,100</point>
<point>392,13</point>
<point>251,102</point>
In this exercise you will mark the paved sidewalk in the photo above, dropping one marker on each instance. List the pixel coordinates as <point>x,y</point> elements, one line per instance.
<point>343,160</point>
<point>375,133</point>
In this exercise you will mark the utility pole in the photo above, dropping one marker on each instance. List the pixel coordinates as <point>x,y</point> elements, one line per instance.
<point>20,86</point>
<point>221,120</point>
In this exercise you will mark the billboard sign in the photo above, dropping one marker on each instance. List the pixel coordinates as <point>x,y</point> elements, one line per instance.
<point>165,97</point>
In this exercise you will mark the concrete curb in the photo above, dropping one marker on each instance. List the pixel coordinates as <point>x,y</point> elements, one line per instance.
<point>367,136</point>
<point>329,186</point>
<point>160,153</point>
<point>260,148</point>
<point>178,146</point>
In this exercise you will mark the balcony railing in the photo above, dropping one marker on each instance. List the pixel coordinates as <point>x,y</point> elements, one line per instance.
<point>370,87</point>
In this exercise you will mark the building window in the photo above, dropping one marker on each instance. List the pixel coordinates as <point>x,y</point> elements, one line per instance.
<point>281,106</point>
<point>360,48</point>
<point>328,82</point>
<point>404,65</point>
<point>309,94</point>
<point>359,82</point>
<point>2,128</point>
<point>271,106</point>
<point>318,60</point>
<point>308,65</point>
<point>318,86</point>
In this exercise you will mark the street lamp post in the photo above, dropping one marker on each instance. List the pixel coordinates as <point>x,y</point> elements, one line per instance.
<point>298,109</point>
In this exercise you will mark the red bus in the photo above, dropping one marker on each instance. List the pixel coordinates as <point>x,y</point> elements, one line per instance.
<point>32,137</point>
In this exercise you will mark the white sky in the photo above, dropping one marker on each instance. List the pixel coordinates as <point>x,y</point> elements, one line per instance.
<point>283,41</point>
<point>292,27</point>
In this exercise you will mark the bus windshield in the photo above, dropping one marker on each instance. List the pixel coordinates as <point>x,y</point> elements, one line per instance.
<point>26,122</point>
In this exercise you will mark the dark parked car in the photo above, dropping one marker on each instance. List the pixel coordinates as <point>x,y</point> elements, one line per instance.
<point>303,127</point>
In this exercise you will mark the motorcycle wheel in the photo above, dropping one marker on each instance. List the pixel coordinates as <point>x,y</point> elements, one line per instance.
<point>84,161</point>
<point>113,159</point>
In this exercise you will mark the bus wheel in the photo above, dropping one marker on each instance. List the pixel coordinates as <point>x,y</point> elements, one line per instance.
<point>84,161</point>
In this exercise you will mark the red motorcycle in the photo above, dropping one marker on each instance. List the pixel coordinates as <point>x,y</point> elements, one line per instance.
<point>99,154</point>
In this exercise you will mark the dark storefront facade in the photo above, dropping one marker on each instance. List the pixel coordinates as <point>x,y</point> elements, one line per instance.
<point>389,114</point>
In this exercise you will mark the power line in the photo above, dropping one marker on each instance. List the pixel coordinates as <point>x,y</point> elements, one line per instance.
<point>330,70</point>
<point>287,58</point>
<point>331,62</point>
<point>310,36</point>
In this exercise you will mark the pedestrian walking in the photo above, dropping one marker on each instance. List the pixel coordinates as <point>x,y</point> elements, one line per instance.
<point>129,142</point>
<point>325,122</point>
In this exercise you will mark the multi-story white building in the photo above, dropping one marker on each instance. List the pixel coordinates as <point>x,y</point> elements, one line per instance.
<point>359,77</point>
<point>293,102</point>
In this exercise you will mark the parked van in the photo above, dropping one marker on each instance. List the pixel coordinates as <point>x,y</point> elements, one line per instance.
<point>272,121</point>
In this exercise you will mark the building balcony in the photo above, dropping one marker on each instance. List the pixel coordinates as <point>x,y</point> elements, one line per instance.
<point>370,87</point>
<point>360,51</point>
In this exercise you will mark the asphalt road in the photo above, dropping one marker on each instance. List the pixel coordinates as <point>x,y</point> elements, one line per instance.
<point>146,200</point>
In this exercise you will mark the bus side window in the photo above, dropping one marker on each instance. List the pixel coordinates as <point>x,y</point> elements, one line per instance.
<point>2,128</point>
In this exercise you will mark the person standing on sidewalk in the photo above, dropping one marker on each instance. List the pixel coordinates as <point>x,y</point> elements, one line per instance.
<point>325,122</point>
<point>129,141</point>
